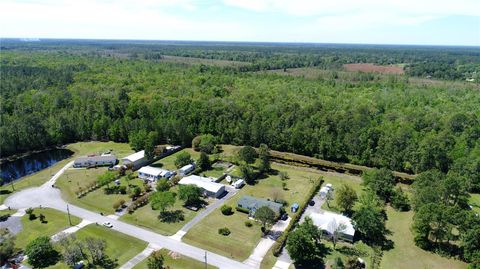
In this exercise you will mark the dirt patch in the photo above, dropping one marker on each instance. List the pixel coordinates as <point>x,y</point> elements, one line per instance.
<point>372,68</point>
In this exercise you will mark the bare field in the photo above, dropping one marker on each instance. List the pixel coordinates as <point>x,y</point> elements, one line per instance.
<point>373,68</point>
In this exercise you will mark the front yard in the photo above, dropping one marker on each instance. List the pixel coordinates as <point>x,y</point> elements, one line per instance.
<point>97,200</point>
<point>55,222</point>
<point>148,218</point>
<point>242,240</point>
<point>176,262</point>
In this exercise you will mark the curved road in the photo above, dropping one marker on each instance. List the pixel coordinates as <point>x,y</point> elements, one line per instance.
<point>46,196</point>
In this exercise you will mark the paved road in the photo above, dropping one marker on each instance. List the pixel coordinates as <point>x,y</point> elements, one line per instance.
<point>47,196</point>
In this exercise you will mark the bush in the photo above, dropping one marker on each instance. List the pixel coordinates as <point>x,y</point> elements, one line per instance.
<point>243,210</point>
<point>224,231</point>
<point>248,224</point>
<point>116,205</point>
<point>226,210</point>
<point>122,189</point>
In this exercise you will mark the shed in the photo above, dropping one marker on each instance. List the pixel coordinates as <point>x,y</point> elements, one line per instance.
<point>186,169</point>
<point>294,207</point>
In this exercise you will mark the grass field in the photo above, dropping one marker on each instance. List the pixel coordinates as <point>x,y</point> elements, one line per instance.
<point>475,202</point>
<point>148,218</point>
<point>120,247</point>
<point>405,254</point>
<point>205,234</point>
<point>169,161</point>
<point>79,149</point>
<point>337,181</point>
<point>180,262</point>
<point>97,200</point>
<point>56,222</point>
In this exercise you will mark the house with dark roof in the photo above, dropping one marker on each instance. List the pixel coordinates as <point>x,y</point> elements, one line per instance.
<point>251,204</point>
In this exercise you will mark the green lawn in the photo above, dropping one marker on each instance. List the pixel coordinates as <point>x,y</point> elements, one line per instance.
<point>475,202</point>
<point>205,233</point>
<point>215,172</point>
<point>79,149</point>
<point>97,200</point>
<point>56,222</point>
<point>405,254</point>
<point>148,218</point>
<point>169,161</point>
<point>180,262</point>
<point>120,247</point>
<point>337,181</point>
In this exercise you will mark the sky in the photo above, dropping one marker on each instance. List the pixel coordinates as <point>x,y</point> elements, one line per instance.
<point>423,22</point>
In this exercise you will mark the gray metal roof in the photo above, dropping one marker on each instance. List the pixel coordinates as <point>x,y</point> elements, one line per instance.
<point>253,203</point>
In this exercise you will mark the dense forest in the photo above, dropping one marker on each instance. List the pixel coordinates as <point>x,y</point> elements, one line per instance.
<point>51,95</point>
<point>450,63</point>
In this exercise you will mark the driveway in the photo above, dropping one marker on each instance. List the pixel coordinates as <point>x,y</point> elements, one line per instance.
<point>47,196</point>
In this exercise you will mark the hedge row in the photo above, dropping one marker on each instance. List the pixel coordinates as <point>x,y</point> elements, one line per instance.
<point>280,243</point>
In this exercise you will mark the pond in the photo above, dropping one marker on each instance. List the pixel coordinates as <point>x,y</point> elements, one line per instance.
<point>32,163</point>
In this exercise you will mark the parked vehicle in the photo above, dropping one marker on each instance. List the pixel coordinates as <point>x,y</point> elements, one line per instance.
<point>107,224</point>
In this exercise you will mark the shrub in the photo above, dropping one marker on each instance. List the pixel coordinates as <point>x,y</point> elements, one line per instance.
<point>226,210</point>
<point>122,189</point>
<point>224,231</point>
<point>116,205</point>
<point>248,223</point>
<point>243,210</point>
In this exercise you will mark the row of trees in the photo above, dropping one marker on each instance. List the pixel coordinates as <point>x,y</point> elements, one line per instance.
<point>395,126</point>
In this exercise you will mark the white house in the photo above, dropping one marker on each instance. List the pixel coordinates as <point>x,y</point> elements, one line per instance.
<point>209,188</point>
<point>137,160</point>
<point>95,160</point>
<point>186,169</point>
<point>153,173</point>
<point>329,222</point>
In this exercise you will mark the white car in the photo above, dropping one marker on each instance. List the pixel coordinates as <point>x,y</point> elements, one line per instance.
<point>107,224</point>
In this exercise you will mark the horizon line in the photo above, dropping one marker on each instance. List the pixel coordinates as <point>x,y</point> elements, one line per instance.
<point>39,39</point>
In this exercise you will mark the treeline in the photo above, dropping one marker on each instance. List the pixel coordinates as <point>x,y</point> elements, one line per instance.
<point>382,124</point>
<point>450,63</point>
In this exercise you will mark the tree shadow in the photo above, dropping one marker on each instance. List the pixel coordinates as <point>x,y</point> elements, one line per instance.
<point>313,264</point>
<point>107,263</point>
<point>158,165</point>
<point>171,216</point>
<point>5,192</point>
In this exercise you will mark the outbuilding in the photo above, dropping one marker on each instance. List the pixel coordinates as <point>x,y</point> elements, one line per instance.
<point>153,173</point>
<point>209,188</point>
<point>186,169</point>
<point>95,160</point>
<point>238,184</point>
<point>136,160</point>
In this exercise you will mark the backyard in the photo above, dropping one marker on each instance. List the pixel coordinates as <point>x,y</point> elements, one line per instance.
<point>176,261</point>
<point>405,254</point>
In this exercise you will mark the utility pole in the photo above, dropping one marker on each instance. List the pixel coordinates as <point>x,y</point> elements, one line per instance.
<point>206,265</point>
<point>69,219</point>
<point>11,183</point>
